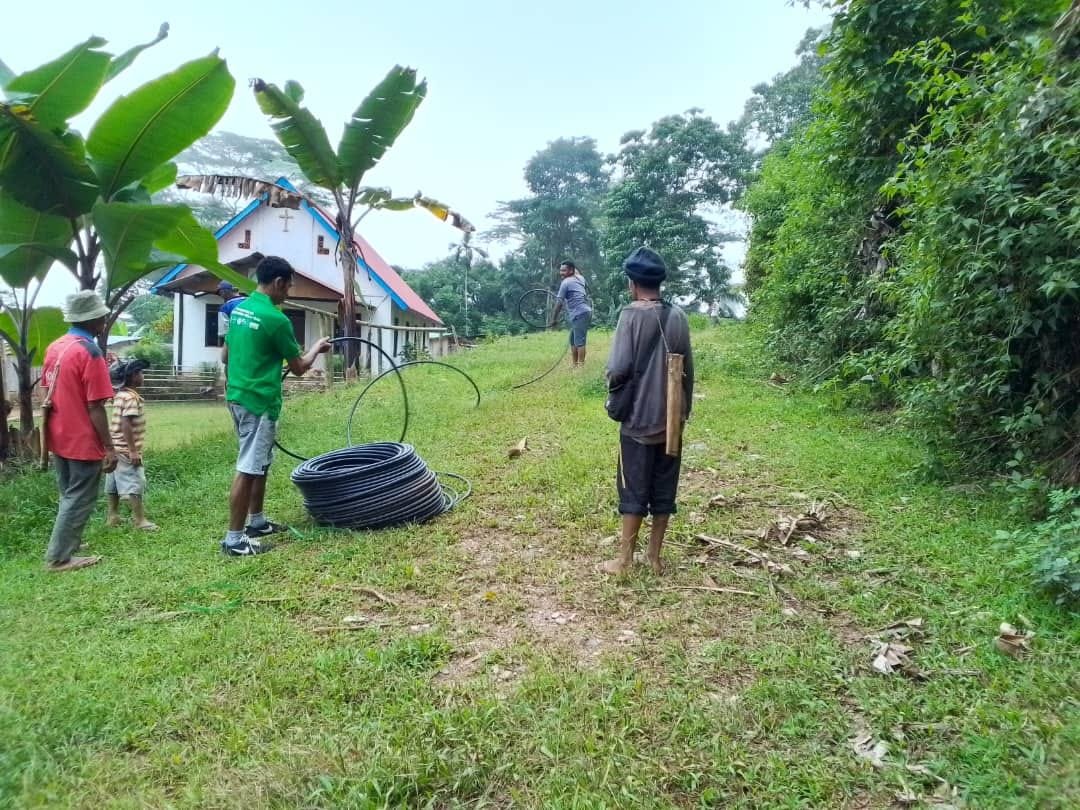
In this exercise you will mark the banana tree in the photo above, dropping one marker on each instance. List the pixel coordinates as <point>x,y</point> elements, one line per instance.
<point>28,331</point>
<point>85,203</point>
<point>372,129</point>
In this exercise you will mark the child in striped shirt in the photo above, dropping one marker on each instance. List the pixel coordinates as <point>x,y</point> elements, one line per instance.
<point>128,430</point>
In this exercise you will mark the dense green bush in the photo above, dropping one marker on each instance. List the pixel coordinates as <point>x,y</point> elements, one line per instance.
<point>154,352</point>
<point>1050,549</point>
<point>917,239</point>
<point>987,268</point>
<point>915,243</point>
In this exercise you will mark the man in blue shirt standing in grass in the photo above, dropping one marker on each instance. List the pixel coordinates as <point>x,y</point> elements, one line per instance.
<point>574,297</point>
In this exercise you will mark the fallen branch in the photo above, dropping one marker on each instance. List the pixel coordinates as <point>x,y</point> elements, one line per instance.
<point>368,592</point>
<point>717,589</point>
<point>334,628</point>
<point>374,593</point>
<point>764,560</point>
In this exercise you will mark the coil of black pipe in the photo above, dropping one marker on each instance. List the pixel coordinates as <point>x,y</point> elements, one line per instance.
<point>371,486</point>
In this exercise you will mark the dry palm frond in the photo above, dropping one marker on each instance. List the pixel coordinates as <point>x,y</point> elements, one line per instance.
<point>241,188</point>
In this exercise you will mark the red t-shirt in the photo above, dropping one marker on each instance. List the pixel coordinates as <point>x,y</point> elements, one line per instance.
<point>83,377</point>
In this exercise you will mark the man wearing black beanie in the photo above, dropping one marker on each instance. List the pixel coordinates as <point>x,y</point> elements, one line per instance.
<point>647,478</point>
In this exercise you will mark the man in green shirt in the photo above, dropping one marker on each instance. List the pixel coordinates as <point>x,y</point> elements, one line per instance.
<point>260,338</point>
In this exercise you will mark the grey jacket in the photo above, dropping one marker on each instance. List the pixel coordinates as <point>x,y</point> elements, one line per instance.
<point>638,323</point>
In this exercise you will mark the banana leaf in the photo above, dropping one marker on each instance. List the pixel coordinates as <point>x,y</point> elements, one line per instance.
<point>46,325</point>
<point>41,170</point>
<point>64,87</point>
<point>377,122</point>
<point>153,124</point>
<point>30,241</point>
<point>300,132</point>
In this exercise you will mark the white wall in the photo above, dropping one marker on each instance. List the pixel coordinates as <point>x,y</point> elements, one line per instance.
<point>192,351</point>
<point>318,326</point>
<point>11,382</point>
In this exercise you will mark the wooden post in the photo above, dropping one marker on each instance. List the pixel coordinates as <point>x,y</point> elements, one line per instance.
<point>326,327</point>
<point>674,403</point>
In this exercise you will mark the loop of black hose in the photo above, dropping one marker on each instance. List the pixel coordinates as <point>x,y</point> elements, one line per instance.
<point>521,309</point>
<point>393,368</point>
<point>372,486</point>
<point>397,370</point>
<point>521,314</point>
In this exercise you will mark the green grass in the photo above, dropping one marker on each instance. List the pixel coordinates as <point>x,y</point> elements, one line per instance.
<point>169,677</point>
<point>172,424</point>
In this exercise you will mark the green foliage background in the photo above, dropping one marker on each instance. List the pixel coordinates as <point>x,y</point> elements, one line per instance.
<point>915,243</point>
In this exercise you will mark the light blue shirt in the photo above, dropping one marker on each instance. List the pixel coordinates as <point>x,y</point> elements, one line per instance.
<point>574,296</point>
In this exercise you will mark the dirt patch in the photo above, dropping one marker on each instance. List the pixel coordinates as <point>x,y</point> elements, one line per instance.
<point>525,587</point>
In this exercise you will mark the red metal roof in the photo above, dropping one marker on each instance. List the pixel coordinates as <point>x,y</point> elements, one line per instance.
<point>387,274</point>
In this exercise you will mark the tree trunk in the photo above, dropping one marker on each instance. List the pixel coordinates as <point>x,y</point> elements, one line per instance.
<point>24,373</point>
<point>348,307</point>
<point>5,447</point>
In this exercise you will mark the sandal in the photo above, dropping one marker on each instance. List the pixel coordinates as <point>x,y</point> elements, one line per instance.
<point>73,564</point>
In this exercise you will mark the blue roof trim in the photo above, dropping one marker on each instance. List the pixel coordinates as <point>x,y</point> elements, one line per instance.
<point>313,212</point>
<point>220,232</point>
<point>326,226</point>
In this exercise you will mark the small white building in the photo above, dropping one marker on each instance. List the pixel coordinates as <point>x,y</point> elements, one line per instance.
<point>306,238</point>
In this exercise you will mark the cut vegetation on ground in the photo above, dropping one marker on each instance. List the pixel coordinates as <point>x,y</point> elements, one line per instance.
<point>825,634</point>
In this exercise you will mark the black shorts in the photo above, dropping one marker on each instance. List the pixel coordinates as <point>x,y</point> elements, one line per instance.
<point>647,478</point>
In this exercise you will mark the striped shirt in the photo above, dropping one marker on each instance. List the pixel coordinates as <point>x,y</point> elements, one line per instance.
<point>127,403</point>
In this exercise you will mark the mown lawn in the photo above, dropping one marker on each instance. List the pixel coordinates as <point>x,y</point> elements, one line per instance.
<point>489,665</point>
<point>177,423</point>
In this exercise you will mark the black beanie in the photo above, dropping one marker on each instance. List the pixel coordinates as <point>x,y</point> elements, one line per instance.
<point>123,370</point>
<point>645,267</point>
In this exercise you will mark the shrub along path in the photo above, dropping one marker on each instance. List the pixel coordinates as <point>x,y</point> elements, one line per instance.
<point>481,661</point>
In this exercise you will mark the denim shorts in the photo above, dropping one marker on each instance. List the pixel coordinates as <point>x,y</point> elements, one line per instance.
<point>256,435</point>
<point>579,329</point>
<point>126,479</point>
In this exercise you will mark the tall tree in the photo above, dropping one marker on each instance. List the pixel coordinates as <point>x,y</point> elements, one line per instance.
<point>673,180</point>
<point>781,106</point>
<point>567,180</point>
<point>72,200</point>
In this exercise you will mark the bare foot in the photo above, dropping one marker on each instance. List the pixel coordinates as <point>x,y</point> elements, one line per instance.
<point>655,564</point>
<point>147,526</point>
<point>74,564</point>
<point>615,567</point>
<point>112,521</point>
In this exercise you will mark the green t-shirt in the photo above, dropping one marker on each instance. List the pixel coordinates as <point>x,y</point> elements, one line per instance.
<point>260,337</point>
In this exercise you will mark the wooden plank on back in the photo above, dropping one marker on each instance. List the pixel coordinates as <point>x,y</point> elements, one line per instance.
<point>674,403</point>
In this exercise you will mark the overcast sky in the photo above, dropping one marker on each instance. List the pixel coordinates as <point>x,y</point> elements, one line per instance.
<point>505,78</point>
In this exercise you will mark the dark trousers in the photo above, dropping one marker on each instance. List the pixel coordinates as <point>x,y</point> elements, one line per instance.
<point>647,478</point>
<point>78,483</point>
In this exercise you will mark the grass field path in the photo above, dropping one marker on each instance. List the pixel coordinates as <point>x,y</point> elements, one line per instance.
<point>481,661</point>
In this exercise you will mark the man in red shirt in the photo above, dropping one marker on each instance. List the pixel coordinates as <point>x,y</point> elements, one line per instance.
<point>77,385</point>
